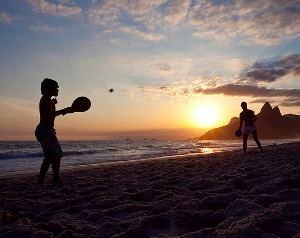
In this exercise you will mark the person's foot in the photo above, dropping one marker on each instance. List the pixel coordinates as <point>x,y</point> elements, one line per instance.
<point>41,181</point>
<point>57,182</point>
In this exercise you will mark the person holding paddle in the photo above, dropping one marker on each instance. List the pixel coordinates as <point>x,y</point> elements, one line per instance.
<point>45,132</point>
<point>249,118</point>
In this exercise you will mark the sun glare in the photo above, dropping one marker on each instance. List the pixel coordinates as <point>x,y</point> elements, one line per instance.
<point>205,116</point>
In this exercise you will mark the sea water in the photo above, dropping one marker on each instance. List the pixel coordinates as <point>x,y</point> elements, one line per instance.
<point>27,156</point>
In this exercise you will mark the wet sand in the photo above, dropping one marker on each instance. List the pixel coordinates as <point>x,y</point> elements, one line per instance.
<point>225,194</point>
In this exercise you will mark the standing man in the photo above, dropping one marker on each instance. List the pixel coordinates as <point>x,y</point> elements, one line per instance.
<point>249,118</point>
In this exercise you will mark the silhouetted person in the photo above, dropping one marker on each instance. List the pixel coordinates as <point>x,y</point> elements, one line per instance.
<point>249,118</point>
<point>45,132</point>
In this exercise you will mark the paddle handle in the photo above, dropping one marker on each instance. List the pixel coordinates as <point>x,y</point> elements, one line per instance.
<point>67,110</point>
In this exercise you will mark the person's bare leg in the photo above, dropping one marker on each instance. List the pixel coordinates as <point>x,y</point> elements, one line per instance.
<point>254,134</point>
<point>55,169</point>
<point>245,138</point>
<point>43,171</point>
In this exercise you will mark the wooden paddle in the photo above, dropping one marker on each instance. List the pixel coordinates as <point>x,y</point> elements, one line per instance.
<point>238,133</point>
<point>81,104</point>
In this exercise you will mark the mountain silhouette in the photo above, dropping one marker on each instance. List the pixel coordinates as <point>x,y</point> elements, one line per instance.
<point>271,124</point>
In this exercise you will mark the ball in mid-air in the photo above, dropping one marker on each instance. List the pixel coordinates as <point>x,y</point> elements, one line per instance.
<point>111,90</point>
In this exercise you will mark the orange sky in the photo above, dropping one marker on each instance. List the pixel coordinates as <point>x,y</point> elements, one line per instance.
<point>165,59</point>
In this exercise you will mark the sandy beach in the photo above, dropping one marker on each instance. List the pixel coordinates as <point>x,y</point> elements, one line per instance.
<point>225,194</point>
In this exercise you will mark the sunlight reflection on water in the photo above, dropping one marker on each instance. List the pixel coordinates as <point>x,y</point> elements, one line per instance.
<point>207,150</point>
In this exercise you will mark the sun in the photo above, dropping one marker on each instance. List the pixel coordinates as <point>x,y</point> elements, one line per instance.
<point>205,116</point>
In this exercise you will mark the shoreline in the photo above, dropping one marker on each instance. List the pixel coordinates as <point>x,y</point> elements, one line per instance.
<point>34,165</point>
<point>116,163</point>
<point>227,194</point>
<point>105,164</point>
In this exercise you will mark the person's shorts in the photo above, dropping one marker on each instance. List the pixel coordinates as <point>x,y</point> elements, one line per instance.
<point>249,129</point>
<point>46,135</point>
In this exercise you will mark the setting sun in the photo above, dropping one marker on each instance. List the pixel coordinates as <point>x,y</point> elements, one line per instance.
<point>205,116</point>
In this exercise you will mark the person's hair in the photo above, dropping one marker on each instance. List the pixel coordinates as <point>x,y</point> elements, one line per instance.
<point>243,103</point>
<point>47,85</point>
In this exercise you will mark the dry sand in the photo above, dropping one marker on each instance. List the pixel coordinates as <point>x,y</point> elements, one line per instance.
<point>214,195</point>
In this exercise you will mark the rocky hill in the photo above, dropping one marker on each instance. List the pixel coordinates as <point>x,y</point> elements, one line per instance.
<point>271,124</point>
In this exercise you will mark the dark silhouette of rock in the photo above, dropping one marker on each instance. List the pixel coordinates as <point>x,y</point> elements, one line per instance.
<point>271,124</point>
<point>266,109</point>
<point>234,120</point>
<point>294,118</point>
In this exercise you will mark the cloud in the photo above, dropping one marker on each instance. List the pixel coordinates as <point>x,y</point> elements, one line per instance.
<point>269,22</point>
<point>187,88</point>
<point>177,11</point>
<point>141,19</point>
<point>127,13</point>
<point>235,65</point>
<point>153,92</point>
<point>45,28</point>
<point>18,107</point>
<point>271,71</point>
<point>248,90</point>
<point>4,17</point>
<point>266,22</point>
<point>266,75</point>
<point>105,14</point>
<point>213,21</point>
<point>262,100</point>
<point>147,13</point>
<point>165,69</point>
<point>60,10</point>
<point>291,63</point>
<point>287,97</point>
<point>151,88</point>
<point>290,102</point>
<point>63,1</point>
<point>142,35</point>
<point>285,102</point>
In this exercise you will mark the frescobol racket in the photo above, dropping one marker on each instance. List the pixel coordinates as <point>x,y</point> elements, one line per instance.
<point>238,133</point>
<point>81,104</point>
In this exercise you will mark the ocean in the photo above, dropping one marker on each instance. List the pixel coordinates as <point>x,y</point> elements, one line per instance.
<point>26,156</point>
